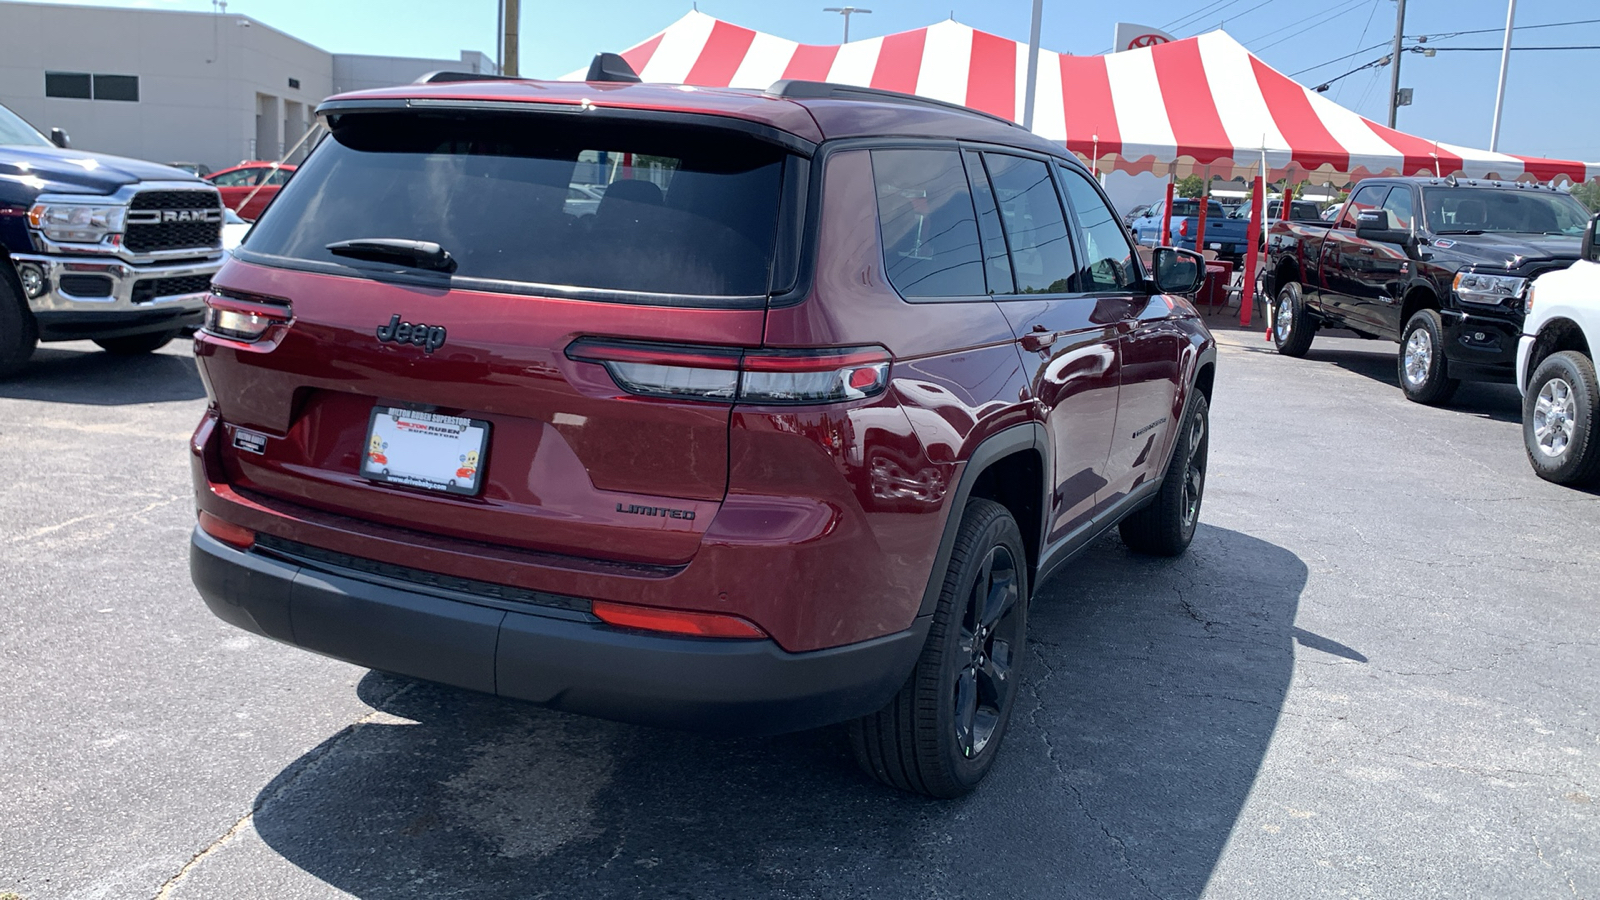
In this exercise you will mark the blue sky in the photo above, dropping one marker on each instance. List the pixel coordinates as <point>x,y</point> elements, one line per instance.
<point>1550,107</point>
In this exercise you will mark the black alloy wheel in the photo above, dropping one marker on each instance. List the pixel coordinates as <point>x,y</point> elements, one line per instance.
<point>1166,525</point>
<point>18,332</point>
<point>940,734</point>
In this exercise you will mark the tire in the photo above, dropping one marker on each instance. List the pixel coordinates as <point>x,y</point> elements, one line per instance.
<point>137,344</point>
<point>939,736</point>
<point>1292,327</point>
<point>1421,360</point>
<point>1561,420</point>
<point>18,333</point>
<point>1166,525</point>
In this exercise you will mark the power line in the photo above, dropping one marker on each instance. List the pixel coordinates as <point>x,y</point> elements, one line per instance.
<point>1329,17</point>
<point>1184,19</point>
<point>1440,37</point>
<point>1339,59</point>
<point>1248,11</point>
<point>1371,11</point>
<point>1518,49</point>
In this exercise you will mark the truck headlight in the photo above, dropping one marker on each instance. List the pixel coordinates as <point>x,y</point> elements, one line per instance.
<point>1490,290</point>
<point>77,223</point>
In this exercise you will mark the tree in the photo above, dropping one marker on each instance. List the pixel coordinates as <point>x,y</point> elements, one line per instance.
<point>1191,186</point>
<point>1588,194</point>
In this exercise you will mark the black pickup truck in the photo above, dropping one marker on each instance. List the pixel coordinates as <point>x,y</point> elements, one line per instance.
<point>98,247</point>
<point>1439,265</point>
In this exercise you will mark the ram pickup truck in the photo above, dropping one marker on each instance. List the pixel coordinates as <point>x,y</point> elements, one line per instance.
<point>1439,265</point>
<point>1555,370</point>
<point>1228,237</point>
<point>98,247</point>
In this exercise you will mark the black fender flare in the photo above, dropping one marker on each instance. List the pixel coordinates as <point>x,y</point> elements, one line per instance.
<point>1016,439</point>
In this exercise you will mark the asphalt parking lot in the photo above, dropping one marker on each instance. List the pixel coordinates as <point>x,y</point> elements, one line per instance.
<point>1373,675</point>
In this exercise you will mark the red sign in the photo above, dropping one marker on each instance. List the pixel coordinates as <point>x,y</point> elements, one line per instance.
<point>1146,40</point>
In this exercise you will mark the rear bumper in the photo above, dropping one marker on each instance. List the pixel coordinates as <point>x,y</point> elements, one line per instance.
<point>560,657</point>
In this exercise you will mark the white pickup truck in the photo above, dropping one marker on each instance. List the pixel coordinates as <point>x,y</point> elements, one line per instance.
<point>1556,370</point>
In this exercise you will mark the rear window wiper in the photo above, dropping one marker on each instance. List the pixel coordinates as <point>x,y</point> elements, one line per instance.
<point>419,254</point>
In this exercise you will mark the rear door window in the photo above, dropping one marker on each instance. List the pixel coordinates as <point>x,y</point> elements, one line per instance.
<point>1110,263</point>
<point>1036,229</point>
<point>930,233</point>
<point>675,209</point>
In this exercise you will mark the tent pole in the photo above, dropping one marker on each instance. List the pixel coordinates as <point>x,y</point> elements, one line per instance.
<point>1247,297</point>
<point>1033,66</point>
<point>1205,203</point>
<point>1505,63</point>
<point>1165,238</point>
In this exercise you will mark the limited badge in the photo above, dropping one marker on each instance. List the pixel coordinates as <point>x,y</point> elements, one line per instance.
<point>251,441</point>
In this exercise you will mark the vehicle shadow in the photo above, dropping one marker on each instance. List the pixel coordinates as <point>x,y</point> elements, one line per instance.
<point>92,377</point>
<point>1152,691</point>
<point>1500,402</point>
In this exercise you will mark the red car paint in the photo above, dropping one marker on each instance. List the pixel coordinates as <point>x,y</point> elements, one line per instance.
<point>248,187</point>
<point>820,525</point>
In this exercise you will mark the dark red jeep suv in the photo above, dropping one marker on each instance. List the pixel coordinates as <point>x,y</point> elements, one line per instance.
<point>729,410</point>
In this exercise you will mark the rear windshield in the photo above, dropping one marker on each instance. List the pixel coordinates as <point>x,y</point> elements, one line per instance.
<point>1192,208</point>
<point>542,200</point>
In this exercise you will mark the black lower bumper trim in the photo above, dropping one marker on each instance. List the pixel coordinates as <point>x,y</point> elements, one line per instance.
<point>79,326</point>
<point>1480,348</point>
<point>559,660</point>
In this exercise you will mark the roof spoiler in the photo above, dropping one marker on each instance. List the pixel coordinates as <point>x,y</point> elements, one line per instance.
<point>611,67</point>
<point>795,89</point>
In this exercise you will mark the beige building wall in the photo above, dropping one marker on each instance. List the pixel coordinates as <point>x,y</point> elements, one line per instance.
<point>213,89</point>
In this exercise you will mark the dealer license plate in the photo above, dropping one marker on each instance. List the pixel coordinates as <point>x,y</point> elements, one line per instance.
<point>1213,246</point>
<point>425,450</point>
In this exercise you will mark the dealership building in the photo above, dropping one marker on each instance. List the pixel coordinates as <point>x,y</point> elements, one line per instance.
<point>212,88</point>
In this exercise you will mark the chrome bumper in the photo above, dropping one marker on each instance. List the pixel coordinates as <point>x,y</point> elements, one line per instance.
<point>123,277</point>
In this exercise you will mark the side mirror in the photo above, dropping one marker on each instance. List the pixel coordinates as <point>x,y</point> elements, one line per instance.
<point>1178,271</point>
<point>1589,249</point>
<point>60,139</point>
<point>1373,225</point>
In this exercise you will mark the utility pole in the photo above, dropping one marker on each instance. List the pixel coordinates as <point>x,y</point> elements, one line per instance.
<point>847,12</point>
<point>1505,63</point>
<point>1033,66</point>
<point>508,38</point>
<point>1394,60</point>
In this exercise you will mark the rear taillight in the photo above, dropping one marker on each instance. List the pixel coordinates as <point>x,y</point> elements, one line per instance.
<point>243,319</point>
<point>227,532</point>
<point>743,376</point>
<point>1183,228</point>
<point>675,621</point>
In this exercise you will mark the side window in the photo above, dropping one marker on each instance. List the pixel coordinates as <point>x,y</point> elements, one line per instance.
<point>1369,197</point>
<point>279,177</point>
<point>1110,262</point>
<point>1036,230</point>
<point>996,261</point>
<point>930,234</point>
<point>241,178</point>
<point>1398,206</point>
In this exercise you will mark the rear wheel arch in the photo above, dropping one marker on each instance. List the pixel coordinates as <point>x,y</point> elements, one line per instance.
<point>1286,271</point>
<point>1002,468</point>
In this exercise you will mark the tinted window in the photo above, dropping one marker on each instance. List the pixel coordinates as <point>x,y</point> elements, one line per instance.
<point>1369,197</point>
<point>14,131</point>
<point>116,87</point>
<point>279,176</point>
<point>1398,206</point>
<point>1214,209</point>
<point>930,235</point>
<point>67,84</point>
<point>237,178</point>
<point>688,210</point>
<point>996,261</point>
<point>1036,230</point>
<point>1110,262</point>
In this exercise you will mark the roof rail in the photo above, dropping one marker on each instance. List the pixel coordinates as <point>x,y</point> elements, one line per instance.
<point>791,89</point>
<point>444,77</point>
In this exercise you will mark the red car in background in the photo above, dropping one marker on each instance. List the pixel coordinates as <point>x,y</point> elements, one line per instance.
<point>248,187</point>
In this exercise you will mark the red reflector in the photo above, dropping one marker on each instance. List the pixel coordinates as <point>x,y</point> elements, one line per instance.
<point>227,532</point>
<point>861,379</point>
<point>676,621</point>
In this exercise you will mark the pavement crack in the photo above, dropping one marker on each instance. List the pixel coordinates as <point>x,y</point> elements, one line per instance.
<point>307,764</point>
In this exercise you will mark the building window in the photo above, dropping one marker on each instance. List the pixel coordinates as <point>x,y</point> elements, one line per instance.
<point>294,84</point>
<point>83,86</point>
<point>74,85</point>
<point>117,87</point>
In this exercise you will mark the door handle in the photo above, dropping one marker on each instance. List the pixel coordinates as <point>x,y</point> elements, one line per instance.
<point>1367,250</point>
<point>1040,338</point>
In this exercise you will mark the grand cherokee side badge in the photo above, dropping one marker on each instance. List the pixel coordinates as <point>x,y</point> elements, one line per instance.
<point>428,337</point>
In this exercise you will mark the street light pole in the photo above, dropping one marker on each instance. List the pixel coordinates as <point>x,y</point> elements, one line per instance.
<point>847,12</point>
<point>1033,66</point>
<point>1394,60</point>
<point>1505,63</point>
<point>513,10</point>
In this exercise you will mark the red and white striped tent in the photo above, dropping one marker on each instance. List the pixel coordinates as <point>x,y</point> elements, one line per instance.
<point>1200,105</point>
